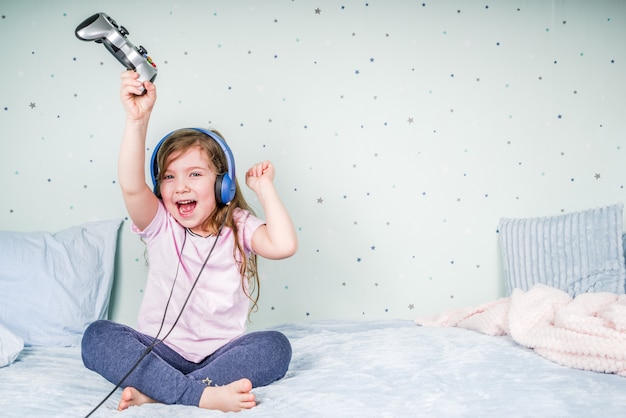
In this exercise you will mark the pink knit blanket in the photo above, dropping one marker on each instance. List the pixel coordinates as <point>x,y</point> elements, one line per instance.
<point>587,332</point>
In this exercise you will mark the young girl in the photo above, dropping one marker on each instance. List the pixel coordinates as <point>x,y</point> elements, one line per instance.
<point>191,327</point>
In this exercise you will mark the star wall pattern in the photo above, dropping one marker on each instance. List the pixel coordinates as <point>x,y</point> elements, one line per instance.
<point>401,132</point>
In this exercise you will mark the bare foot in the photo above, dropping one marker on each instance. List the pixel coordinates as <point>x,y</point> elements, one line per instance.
<point>230,398</point>
<point>132,397</point>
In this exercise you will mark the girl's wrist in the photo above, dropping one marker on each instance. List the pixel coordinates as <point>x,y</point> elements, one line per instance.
<point>138,122</point>
<point>265,192</point>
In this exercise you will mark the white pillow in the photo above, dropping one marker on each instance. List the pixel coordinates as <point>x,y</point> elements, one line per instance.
<point>10,346</point>
<point>576,252</point>
<point>53,285</point>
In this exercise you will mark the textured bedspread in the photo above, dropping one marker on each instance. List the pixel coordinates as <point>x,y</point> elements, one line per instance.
<point>587,332</point>
<point>350,369</point>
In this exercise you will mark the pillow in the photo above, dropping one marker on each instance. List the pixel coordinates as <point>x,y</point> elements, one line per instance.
<point>624,244</point>
<point>576,252</point>
<point>53,285</point>
<point>10,346</point>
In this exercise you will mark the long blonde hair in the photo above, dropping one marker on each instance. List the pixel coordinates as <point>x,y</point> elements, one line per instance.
<point>179,142</point>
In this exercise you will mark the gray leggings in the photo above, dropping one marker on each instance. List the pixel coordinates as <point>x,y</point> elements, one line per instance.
<point>111,349</point>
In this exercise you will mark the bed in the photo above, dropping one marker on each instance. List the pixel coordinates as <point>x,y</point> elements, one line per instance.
<point>389,368</point>
<point>466,362</point>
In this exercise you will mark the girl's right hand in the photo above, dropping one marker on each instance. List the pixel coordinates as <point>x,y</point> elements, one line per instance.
<point>137,105</point>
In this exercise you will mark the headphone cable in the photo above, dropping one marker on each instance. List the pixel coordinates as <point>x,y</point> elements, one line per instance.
<point>156,341</point>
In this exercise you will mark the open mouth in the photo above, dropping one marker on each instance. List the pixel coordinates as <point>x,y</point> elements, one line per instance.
<point>186,207</point>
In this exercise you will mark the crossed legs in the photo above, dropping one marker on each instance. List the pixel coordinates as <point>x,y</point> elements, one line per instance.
<point>223,381</point>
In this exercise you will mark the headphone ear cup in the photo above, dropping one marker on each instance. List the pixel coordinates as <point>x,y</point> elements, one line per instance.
<point>218,189</point>
<point>224,190</point>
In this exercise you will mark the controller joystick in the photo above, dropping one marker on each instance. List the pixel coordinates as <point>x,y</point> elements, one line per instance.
<point>103,29</point>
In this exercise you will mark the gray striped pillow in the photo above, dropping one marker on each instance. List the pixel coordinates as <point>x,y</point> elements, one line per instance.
<point>576,252</point>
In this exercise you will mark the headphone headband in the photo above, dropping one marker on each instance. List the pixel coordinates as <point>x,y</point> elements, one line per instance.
<point>225,185</point>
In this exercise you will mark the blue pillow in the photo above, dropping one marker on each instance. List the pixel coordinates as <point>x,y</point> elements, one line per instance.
<point>624,244</point>
<point>10,346</point>
<point>53,285</point>
<point>576,252</point>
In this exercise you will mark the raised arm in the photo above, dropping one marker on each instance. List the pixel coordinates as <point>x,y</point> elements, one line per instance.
<point>140,201</point>
<point>277,238</point>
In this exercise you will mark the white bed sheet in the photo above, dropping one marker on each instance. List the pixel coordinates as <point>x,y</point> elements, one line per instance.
<point>349,369</point>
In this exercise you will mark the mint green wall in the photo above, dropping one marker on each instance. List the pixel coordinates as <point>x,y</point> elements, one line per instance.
<point>401,131</point>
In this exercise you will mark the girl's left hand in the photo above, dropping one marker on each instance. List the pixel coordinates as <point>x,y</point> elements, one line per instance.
<point>259,173</point>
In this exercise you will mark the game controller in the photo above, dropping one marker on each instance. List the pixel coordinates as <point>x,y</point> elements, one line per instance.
<point>103,29</point>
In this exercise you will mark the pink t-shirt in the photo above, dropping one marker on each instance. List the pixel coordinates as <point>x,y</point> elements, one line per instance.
<point>218,308</point>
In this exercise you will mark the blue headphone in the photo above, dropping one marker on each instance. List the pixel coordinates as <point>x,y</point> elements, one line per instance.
<point>225,185</point>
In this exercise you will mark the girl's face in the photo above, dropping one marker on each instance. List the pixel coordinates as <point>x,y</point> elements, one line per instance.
<point>188,188</point>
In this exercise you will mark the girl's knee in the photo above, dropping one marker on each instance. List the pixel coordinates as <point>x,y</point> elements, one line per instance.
<point>280,346</point>
<point>93,332</point>
<point>94,336</point>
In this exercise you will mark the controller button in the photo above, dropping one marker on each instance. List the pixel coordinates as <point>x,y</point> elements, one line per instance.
<point>142,50</point>
<point>123,31</point>
<point>149,60</point>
